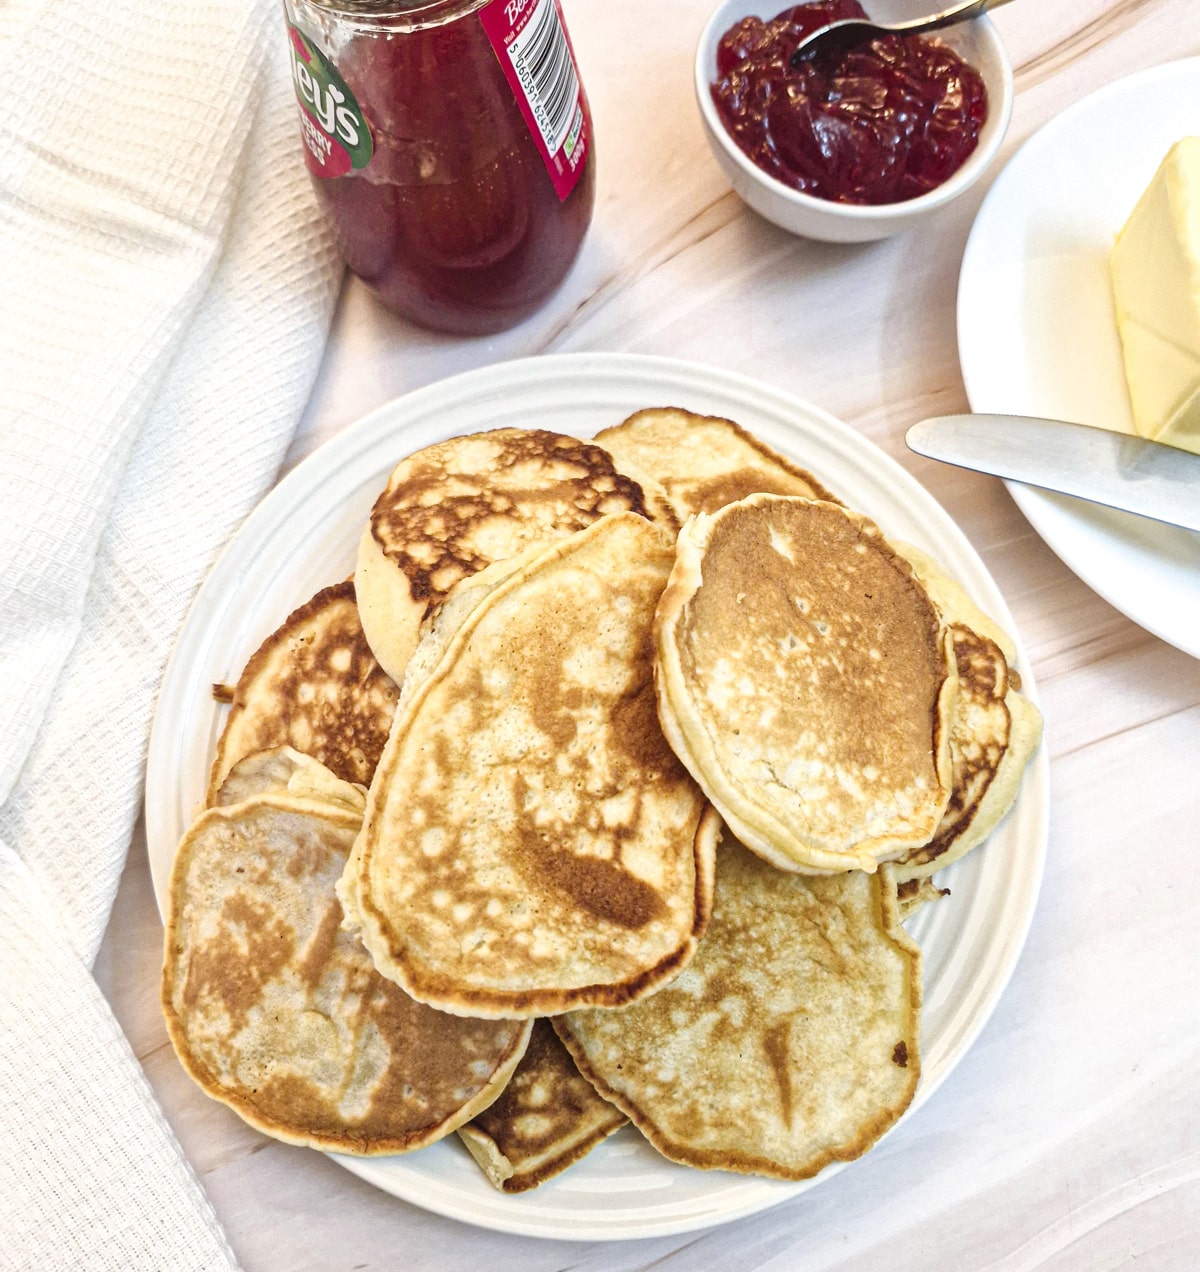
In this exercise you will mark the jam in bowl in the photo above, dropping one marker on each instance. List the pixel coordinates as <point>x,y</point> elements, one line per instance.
<point>862,138</point>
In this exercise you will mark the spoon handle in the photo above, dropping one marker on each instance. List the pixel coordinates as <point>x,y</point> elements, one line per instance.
<point>958,13</point>
<point>914,26</point>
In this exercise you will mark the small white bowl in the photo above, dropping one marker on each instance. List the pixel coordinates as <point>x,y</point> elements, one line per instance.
<point>975,42</point>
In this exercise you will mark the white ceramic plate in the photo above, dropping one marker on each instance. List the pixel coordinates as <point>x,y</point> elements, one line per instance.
<point>303,536</point>
<point>1037,334</point>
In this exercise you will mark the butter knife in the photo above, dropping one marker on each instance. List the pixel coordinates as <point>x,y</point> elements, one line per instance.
<point>1115,469</point>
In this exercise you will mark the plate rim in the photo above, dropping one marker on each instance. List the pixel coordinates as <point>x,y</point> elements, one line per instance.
<point>1041,507</point>
<point>393,417</point>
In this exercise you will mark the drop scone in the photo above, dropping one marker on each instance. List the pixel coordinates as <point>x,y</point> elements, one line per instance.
<point>455,507</point>
<point>548,1117</point>
<point>275,1010</point>
<point>994,733</point>
<point>314,685</point>
<point>282,770</point>
<point>789,1042</point>
<point>808,682</point>
<point>703,462</point>
<point>531,842</point>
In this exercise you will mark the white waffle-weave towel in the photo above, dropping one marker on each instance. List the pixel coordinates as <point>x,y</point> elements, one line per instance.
<point>166,288</point>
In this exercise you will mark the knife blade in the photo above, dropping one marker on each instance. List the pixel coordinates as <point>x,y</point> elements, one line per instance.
<point>1097,464</point>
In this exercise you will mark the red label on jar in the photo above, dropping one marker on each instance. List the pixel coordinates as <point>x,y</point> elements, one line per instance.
<point>535,52</point>
<point>336,136</point>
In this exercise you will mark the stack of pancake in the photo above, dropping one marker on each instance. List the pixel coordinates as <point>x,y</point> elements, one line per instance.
<point>597,796</point>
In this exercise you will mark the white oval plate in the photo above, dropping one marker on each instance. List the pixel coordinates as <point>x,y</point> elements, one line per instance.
<point>303,536</point>
<point>1037,333</point>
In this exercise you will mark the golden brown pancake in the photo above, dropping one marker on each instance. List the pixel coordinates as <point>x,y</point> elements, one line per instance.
<point>278,1012</point>
<point>807,681</point>
<point>531,842</point>
<point>791,1039</point>
<point>995,733</point>
<point>979,738</point>
<point>314,685</point>
<point>547,1118</point>
<point>459,505</point>
<point>995,729</point>
<point>703,461</point>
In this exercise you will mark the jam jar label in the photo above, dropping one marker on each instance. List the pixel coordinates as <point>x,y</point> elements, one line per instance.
<point>535,53</point>
<point>336,136</point>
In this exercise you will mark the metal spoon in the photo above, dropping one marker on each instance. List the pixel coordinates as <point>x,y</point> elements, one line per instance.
<point>865,29</point>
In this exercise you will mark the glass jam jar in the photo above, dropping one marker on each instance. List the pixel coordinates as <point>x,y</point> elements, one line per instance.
<point>450,143</point>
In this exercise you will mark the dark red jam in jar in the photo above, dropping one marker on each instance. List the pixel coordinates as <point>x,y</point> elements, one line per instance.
<point>451,145</point>
<point>879,121</point>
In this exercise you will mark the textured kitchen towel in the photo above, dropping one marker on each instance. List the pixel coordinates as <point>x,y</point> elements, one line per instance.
<point>90,1176</point>
<point>167,287</point>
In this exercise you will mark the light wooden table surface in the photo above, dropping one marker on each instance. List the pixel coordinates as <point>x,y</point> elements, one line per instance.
<point>1069,1136</point>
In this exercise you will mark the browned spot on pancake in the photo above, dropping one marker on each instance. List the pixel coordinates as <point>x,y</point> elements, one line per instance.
<point>983,679</point>
<point>522,1095</point>
<point>349,723</point>
<point>553,705</point>
<point>432,1072</point>
<point>547,1084</point>
<point>708,496</point>
<point>547,1117</point>
<point>419,1076</point>
<point>636,732</point>
<point>778,1053</point>
<point>913,893</point>
<point>267,945</point>
<point>428,520</point>
<point>315,685</point>
<point>321,947</point>
<point>900,1054</point>
<point>295,1100</point>
<point>604,889</point>
<point>600,886</point>
<point>222,693</point>
<point>307,856</point>
<point>981,664</point>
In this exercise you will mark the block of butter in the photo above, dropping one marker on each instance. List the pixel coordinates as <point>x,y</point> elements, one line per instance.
<point>1156,285</point>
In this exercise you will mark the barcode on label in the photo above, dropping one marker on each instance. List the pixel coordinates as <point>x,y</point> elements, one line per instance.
<point>542,60</point>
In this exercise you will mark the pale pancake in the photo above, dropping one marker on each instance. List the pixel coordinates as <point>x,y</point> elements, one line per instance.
<point>995,730</point>
<point>808,683</point>
<point>314,685</point>
<point>277,1012</point>
<point>456,506</point>
<point>703,461</point>
<point>531,842</point>
<point>790,1041</point>
<point>283,770</point>
<point>547,1118</point>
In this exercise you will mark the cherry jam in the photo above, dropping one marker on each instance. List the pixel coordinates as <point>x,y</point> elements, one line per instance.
<point>458,219</point>
<point>879,121</point>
